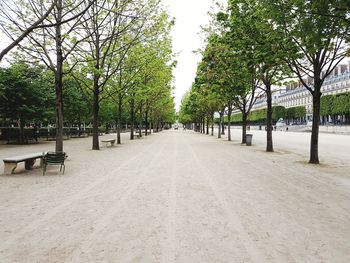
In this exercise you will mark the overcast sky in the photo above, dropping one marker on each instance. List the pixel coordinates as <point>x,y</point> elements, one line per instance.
<point>190,16</point>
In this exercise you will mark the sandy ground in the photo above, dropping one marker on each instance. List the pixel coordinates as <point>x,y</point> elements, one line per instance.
<point>180,197</point>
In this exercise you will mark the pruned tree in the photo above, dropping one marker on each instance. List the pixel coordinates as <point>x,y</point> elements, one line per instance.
<point>114,28</point>
<point>315,42</point>
<point>247,27</point>
<point>53,45</point>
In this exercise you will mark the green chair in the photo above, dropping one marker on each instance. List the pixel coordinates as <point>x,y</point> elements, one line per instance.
<point>54,158</point>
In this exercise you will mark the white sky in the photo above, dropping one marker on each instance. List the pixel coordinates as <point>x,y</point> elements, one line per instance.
<point>190,15</point>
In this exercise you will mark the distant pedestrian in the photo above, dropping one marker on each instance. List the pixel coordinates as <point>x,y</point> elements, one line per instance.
<point>36,132</point>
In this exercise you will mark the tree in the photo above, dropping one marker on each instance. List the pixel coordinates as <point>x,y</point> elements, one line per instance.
<point>24,93</point>
<point>315,43</point>
<point>76,106</point>
<point>256,42</point>
<point>341,103</point>
<point>53,45</point>
<point>295,113</point>
<point>240,76</point>
<point>278,112</point>
<point>114,28</point>
<point>211,77</point>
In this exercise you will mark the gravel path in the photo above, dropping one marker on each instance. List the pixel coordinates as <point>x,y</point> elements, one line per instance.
<point>180,197</point>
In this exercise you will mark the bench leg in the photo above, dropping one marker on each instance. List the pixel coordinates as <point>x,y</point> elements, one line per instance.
<point>29,164</point>
<point>9,168</point>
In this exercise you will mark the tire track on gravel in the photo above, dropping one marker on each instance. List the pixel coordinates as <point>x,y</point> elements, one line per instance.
<point>74,198</point>
<point>107,219</point>
<point>169,245</point>
<point>285,171</point>
<point>234,221</point>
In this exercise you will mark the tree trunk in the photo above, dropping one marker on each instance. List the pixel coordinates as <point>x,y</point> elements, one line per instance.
<point>96,92</point>
<point>207,126</point>
<point>222,123</point>
<point>119,124</point>
<point>58,80</point>
<point>212,124</point>
<point>132,116</point>
<point>95,122</point>
<point>140,123</point>
<point>150,122</point>
<point>244,127</point>
<point>229,124</point>
<point>315,126</point>
<point>219,130</point>
<point>146,122</point>
<point>203,125</point>
<point>269,142</point>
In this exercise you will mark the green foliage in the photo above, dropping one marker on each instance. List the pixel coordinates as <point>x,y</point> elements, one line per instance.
<point>26,93</point>
<point>278,112</point>
<point>259,116</point>
<point>108,112</point>
<point>341,104</point>
<point>236,118</point>
<point>121,53</point>
<point>326,105</point>
<point>76,108</point>
<point>295,112</point>
<point>311,27</point>
<point>335,104</point>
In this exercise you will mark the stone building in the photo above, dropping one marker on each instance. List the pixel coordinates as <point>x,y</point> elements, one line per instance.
<point>295,94</point>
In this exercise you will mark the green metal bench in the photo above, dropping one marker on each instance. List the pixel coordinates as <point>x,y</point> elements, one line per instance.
<point>54,158</point>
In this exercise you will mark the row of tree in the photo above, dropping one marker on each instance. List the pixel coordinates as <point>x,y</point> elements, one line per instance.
<point>278,112</point>
<point>106,58</point>
<point>336,105</point>
<point>253,45</point>
<point>28,97</point>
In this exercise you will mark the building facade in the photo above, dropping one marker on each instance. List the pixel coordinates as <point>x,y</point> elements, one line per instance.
<point>295,94</point>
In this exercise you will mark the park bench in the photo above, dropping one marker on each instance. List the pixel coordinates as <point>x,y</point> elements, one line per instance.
<point>10,164</point>
<point>107,141</point>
